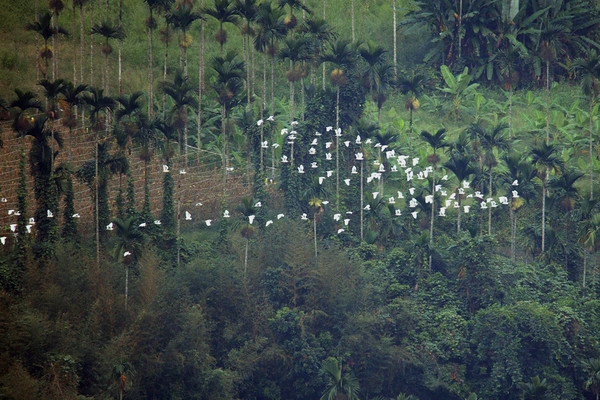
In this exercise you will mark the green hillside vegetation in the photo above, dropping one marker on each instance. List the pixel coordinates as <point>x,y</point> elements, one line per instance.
<point>332,224</point>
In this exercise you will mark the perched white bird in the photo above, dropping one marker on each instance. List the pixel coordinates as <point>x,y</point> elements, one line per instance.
<point>127,253</point>
<point>259,122</point>
<point>294,123</point>
<point>347,143</point>
<point>321,179</point>
<point>338,132</point>
<point>313,165</point>
<point>312,151</point>
<point>398,212</point>
<point>515,182</point>
<point>76,215</point>
<point>358,140</point>
<point>327,145</point>
<point>348,212</point>
<point>381,168</point>
<point>157,222</point>
<point>415,161</point>
<point>444,193</point>
<point>325,202</point>
<point>484,205</point>
<point>456,204</point>
<point>442,212</point>
<point>32,221</point>
<point>515,194</point>
<point>466,209</point>
<point>165,168</point>
<point>414,214</point>
<point>258,204</point>
<point>229,169</point>
<point>198,204</point>
<point>314,142</point>
<point>400,195</point>
<point>182,172</point>
<point>445,177</point>
<point>411,191</point>
<point>301,169</point>
<point>279,216</point>
<point>4,200</point>
<point>359,156</point>
<point>347,182</point>
<point>329,173</point>
<point>391,200</point>
<point>49,214</point>
<point>466,184</point>
<point>413,203</point>
<point>142,225</point>
<point>375,194</point>
<point>368,141</point>
<point>207,222</point>
<point>251,219</point>
<point>275,145</point>
<point>429,199</point>
<point>369,179</point>
<point>28,228</point>
<point>461,191</point>
<point>452,196</point>
<point>284,131</point>
<point>226,214</point>
<point>329,128</point>
<point>13,227</point>
<point>337,216</point>
<point>340,230</point>
<point>354,171</point>
<point>269,222</point>
<point>448,202</point>
<point>503,200</point>
<point>328,156</point>
<point>265,144</point>
<point>317,133</point>
<point>284,159</point>
<point>110,227</point>
<point>271,118</point>
<point>3,240</point>
<point>346,221</point>
<point>367,207</point>
<point>188,216</point>
<point>394,168</point>
<point>304,217</point>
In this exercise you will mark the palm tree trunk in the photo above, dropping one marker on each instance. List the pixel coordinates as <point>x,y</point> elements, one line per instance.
<point>263,105</point>
<point>246,258</point>
<point>54,49</point>
<point>459,212</point>
<point>164,96</point>
<point>591,149</point>
<point>459,25</point>
<point>223,147</point>
<point>410,126</point>
<point>337,149</point>
<point>585,258</point>
<point>179,220</point>
<point>96,210</point>
<point>315,237</point>
<point>510,115</point>
<point>126,284</point>
<point>395,46</point>
<point>92,46</point>
<point>200,85</point>
<point>302,89</point>
<point>361,201</point>
<point>490,208</point>
<point>74,26</point>
<point>273,113</point>
<point>511,217</point>
<point>432,213</point>
<point>120,49</point>
<point>352,12</point>
<point>150,66</point>
<point>547,102</point>
<point>37,41</point>
<point>543,213</point>
<point>81,41</point>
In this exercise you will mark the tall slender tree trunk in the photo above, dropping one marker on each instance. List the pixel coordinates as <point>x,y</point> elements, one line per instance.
<point>315,238</point>
<point>74,27</point>
<point>120,49</point>
<point>81,41</point>
<point>179,220</point>
<point>263,106</point>
<point>352,11</point>
<point>544,213</point>
<point>395,43</point>
<point>459,211</point>
<point>92,46</point>
<point>273,113</point>
<point>585,259</point>
<point>185,128</point>
<point>361,202</point>
<point>547,102</point>
<point>54,49</point>
<point>337,149</point>
<point>37,41</point>
<point>432,213</point>
<point>96,208</point>
<point>591,151</point>
<point>150,65</point>
<point>246,258</point>
<point>511,215</point>
<point>126,284</point>
<point>490,208</point>
<point>200,85</point>
<point>510,114</point>
<point>302,88</point>
<point>165,63</point>
<point>459,26</point>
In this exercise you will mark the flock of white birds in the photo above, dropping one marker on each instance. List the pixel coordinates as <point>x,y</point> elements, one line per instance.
<point>411,167</point>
